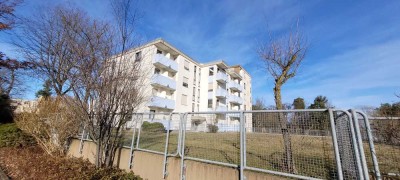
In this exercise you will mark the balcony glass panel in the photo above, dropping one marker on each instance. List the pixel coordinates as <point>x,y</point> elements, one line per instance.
<point>163,81</point>
<point>165,62</point>
<point>160,102</point>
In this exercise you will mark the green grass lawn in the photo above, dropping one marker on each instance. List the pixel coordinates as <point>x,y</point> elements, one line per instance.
<point>313,156</point>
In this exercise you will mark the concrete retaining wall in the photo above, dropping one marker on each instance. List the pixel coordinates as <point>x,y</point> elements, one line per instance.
<point>150,166</point>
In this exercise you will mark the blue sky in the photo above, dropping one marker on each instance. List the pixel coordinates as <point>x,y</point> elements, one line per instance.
<point>354,45</point>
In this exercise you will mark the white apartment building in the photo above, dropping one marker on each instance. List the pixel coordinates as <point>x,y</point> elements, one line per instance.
<point>177,83</point>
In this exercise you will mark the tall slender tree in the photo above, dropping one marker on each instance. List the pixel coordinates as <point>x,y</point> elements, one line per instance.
<point>282,57</point>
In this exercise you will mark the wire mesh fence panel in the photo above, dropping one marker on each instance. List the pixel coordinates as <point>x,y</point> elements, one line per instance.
<point>291,142</point>
<point>131,126</point>
<point>386,137</point>
<point>346,143</point>
<point>153,131</point>
<point>174,131</point>
<point>213,136</point>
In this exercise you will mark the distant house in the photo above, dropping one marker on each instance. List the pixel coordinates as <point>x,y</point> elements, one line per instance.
<point>21,105</point>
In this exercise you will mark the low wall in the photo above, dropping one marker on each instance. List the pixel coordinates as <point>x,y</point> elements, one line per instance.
<point>150,166</point>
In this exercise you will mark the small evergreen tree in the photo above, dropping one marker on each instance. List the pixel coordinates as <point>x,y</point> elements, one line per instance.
<point>46,91</point>
<point>298,103</point>
<point>320,102</point>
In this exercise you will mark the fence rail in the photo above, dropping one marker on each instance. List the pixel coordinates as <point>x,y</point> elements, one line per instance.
<point>301,144</point>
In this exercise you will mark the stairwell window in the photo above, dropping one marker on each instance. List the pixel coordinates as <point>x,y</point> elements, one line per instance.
<point>185,82</point>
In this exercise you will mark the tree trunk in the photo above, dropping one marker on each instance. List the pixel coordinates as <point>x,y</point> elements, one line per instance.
<point>288,158</point>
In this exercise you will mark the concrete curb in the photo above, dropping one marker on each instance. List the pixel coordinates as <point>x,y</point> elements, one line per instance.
<point>3,175</point>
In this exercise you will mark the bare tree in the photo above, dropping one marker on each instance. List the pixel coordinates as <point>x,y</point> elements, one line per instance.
<point>9,68</point>
<point>9,73</point>
<point>7,17</point>
<point>108,83</point>
<point>282,58</point>
<point>43,40</point>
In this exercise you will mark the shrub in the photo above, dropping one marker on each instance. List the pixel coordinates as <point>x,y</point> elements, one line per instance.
<point>10,135</point>
<point>153,127</point>
<point>212,128</point>
<point>52,124</point>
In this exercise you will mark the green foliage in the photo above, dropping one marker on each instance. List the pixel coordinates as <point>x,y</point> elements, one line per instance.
<point>153,127</point>
<point>6,111</point>
<point>320,102</point>
<point>11,135</point>
<point>46,91</point>
<point>212,128</point>
<point>298,103</point>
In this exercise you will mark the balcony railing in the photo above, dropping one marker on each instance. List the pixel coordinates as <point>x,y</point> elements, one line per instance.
<point>221,77</point>
<point>221,92</point>
<point>235,86</point>
<point>160,102</point>
<point>163,81</point>
<point>164,62</point>
<point>235,99</point>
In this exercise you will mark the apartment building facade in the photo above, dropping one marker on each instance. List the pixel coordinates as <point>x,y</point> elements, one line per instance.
<point>177,83</point>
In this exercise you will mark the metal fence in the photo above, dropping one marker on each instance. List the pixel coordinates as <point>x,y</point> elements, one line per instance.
<point>380,137</point>
<point>301,144</point>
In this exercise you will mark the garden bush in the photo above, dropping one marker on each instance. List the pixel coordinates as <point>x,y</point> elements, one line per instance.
<point>153,127</point>
<point>11,135</point>
<point>52,124</point>
<point>212,128</point>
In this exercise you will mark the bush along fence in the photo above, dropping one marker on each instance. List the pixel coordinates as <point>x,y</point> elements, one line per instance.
<point>301,144</point>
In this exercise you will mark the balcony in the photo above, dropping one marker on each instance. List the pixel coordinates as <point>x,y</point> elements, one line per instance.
<point>160,60</point>
<point>235,99</point>
<point>234,73</point>
<point>221,93</point>
<point>221,108</point>
<point>221,77</point>
<point>160,102</point>
<point>235,86</point>
<point>159,80</point>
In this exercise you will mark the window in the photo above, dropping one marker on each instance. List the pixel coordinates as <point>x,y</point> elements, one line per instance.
<point>185,82</point>
<point>138,56</point>
<point>194,94</point>
<point>244,84</point>
<point>157,71</point>
<point>151,115</point>
<point>209,103</point>
<point>159,51</point>
<point>211,71</point>
<point>186,65</point>
<point>184,99</point>
<point>193,107</point>
<point>194,80</point>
